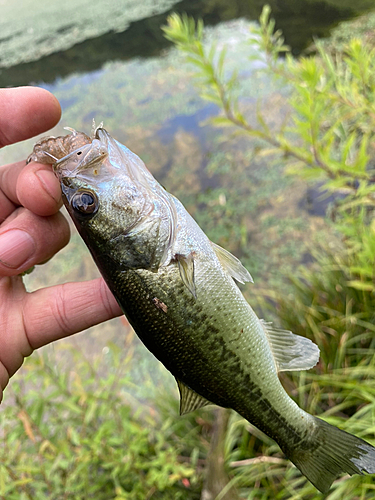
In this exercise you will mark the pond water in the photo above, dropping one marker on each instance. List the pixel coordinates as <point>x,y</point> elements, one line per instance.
<point>122,71</point>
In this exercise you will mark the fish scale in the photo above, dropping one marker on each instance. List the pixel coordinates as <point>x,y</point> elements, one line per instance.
<point>181,341</point>
<point>177,290</point>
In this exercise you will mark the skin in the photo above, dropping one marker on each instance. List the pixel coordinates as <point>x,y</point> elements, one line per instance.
<point>30,200</point>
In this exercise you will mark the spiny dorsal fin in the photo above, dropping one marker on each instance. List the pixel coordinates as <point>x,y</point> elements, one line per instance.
<point>189,399</point>
<point>186,268</point>
<point>232,265</point>
<point>291,352</point>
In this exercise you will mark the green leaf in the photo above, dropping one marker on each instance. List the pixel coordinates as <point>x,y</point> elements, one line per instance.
<point>212,98</point>
<point>220,63</point>
<point>360,285</point>
<point>222,121</point>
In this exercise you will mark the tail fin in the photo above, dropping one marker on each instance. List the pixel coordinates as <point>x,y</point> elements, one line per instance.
<point>334,451</point>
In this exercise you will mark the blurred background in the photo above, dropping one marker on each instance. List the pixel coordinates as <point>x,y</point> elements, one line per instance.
<point>109,61</point>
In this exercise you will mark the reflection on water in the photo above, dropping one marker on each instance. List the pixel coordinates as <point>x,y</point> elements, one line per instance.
<point>300,22</point>
<point>189,123</point>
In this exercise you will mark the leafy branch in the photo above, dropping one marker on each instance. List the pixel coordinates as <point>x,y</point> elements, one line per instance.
<point>330,134</point>
<point>321,144</point>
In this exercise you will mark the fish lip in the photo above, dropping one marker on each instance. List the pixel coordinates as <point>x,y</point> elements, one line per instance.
<point>101,133</point>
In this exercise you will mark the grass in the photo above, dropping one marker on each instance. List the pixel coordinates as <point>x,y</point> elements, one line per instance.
<point>79,434</point>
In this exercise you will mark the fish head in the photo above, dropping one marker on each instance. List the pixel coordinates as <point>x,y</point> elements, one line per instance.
<point>96,188</point>
<point>118,207</point>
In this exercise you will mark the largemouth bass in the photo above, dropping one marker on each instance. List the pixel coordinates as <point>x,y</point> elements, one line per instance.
<point>177,290</point>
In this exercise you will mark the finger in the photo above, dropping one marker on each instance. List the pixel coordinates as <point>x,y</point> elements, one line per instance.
<point>26,112</point>
<point>59,311</point>
<point>8,186</point>
<point>4,379</point>
<point>6,207</point>
<point>27,239</point>
<point>34,186</point>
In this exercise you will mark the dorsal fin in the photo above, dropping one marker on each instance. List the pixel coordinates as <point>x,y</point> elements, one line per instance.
<point>186,268</point>
<point>232,265</point>
<point>291,352</point>
<point>189,399</point>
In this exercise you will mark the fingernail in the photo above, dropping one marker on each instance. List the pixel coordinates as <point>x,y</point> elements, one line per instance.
<point>16,247</point>
<point>48,180</point>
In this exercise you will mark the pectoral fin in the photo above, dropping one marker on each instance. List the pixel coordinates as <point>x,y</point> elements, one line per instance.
<point>190,400</point>
<point>232,265</point>
<point>186,268</point>
<point>291,352</point>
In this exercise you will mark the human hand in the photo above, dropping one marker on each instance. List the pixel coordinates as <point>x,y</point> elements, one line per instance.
<point>32,230</point>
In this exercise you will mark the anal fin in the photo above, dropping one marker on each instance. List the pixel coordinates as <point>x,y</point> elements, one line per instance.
<point>189,399</point>
<point>291,352</point>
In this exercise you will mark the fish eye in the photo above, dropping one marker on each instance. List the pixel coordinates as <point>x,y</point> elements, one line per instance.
<point>85,203</point>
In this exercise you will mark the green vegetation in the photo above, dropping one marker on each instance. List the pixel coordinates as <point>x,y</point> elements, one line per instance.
<point>77,436</point>
<point>328,139</point>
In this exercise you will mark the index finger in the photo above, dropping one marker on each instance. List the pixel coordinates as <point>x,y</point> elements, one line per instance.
<point>26,112</point>
<point>33,186</point>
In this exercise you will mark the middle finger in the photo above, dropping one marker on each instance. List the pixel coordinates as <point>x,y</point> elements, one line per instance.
<point>27,239</point>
